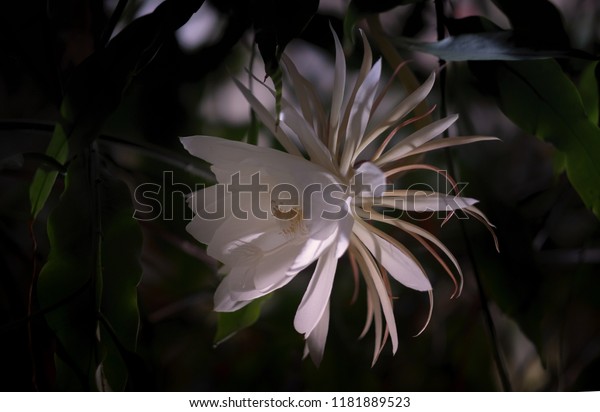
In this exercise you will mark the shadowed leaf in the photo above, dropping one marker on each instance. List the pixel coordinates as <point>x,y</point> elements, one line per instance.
<point>543,101</point>
<point>229,323</point>
<point>93,268</point>
<point>98,84</point>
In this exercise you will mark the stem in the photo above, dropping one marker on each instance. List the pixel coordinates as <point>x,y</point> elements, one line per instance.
<point>487,315</point>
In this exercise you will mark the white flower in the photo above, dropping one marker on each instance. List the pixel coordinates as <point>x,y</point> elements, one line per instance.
<point>316,208</point>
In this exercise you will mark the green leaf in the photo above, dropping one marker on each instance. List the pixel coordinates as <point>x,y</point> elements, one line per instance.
<point>588,89</point>
<point>543,101</point>
<point>121,246</point>
<point>500,45</point>
<point>229,323</point>
<point>92,270</point>
<point>67,282</point>
<point>43,180</point>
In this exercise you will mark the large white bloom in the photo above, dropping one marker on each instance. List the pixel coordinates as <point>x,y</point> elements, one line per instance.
<point>317,201</point>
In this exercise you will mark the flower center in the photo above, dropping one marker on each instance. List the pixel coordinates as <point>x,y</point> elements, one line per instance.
<point>291,219</point>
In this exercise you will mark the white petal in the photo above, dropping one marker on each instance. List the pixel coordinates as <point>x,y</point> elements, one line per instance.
<point>273,268</point>
<point>416,139</point>
<point>233,240</point>
<point>339,84</point>
<point>226,153</point>
<point>422,201</point>
<point>377,293</point>
<point>210,207</point>
<point>239,278</point>
<point>344,233</point>
<point>360,114</point>
<point>448,142</point>
<point>313,145</point>
<point>398,262</point>
<point>405,106</point>
<point>371,179</point>
<point>316,297</point>
<point>268,120</point>
<point>315,341</point>
<point>203,230</point>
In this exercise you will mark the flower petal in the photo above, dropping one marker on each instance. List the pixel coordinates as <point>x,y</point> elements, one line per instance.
<point>315,341</point>
<point>416,139</point>
<point>339,84</point>
<point>394,257</point>
<point>268,120</point>
<point>406,105</point>
<point>316,297</point>
<point>424,201</point>
<point>448,142</point>
<point>377,292</point>
<point>359,115</point>
<point>369,180</point>
<point>239,278</point>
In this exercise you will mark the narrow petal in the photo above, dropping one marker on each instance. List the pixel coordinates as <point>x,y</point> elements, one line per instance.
<point>416,139</point>
<point>268,120</point>
<point>369,180</point>
<point>359,115</point>
<point>398,112</point>
<point>372,276</point>
<point>317,294</point>
<point>365,68</point>
<point>395,258</point>
<point>448,142</point>
<point>417,231</point>
<point>315,341</point>
<point>422,201</point>
<point>315,148</point>
<point>339,84</point>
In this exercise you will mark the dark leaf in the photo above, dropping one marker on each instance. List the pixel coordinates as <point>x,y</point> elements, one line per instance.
<point>93,269</point>
<point>98,84</point>
<point>588,89</point>
<point>276,24</point>
<point>539,24</point>
<point>543,101</point>
<point>229,323</point>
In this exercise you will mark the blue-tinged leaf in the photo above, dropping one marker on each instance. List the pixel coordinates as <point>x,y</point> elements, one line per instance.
<point>500,45</point>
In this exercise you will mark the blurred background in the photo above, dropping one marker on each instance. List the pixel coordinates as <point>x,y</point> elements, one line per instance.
<point>125,79</point>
